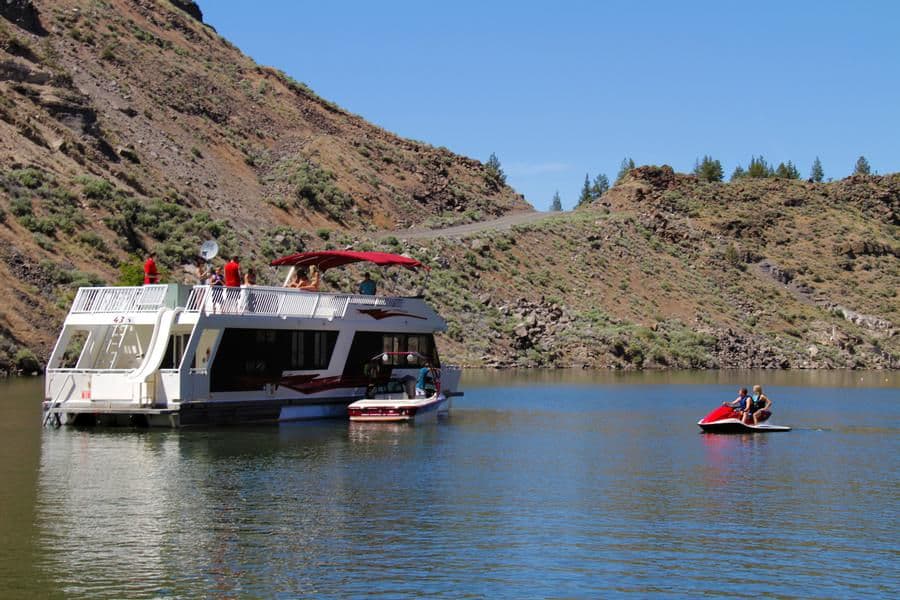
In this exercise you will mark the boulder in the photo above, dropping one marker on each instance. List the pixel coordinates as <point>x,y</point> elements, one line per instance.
<point>22,13</point>
<point>480,246</point>
<point>188,6</point>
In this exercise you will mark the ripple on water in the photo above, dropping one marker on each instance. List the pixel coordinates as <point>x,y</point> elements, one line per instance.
<point>589,491</point>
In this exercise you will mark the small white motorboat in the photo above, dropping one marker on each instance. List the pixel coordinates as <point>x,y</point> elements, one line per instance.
<point>394,410</point>
<point>398,400</point>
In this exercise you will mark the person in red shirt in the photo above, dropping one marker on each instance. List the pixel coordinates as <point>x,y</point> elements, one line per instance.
<point>233,273</point>
<point>151,275</point>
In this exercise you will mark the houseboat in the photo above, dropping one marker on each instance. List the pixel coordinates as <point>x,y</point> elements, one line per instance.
<point>175,355</point>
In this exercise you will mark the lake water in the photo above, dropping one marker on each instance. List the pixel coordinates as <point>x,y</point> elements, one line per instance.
<point>554,484</point>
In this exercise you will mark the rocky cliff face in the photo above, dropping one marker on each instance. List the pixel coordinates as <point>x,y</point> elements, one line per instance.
<point>130,124</point>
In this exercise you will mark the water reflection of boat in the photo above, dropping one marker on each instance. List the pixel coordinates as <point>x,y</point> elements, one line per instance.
<point>725,419</point>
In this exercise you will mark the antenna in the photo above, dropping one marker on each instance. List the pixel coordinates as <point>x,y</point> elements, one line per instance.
<point>208,250</point>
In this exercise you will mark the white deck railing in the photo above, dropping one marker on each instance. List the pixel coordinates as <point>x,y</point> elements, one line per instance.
<point>147,298</point>
<point>271,301</point>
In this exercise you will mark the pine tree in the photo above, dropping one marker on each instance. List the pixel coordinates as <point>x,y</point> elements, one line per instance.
<point>738,173</point>
<point>494,171</point>
<point>708,169</point>
<point>556,203</point>
<point>792,171</point>
<point>585,196</point>
<point>600,186</point>
<point>759,168</point>
<point>816,174</point>
<point>862,167</point>
<point>627,165</point>
<point>787,171</point>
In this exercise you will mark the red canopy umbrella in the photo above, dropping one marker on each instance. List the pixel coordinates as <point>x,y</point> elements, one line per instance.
<point>327,259</point>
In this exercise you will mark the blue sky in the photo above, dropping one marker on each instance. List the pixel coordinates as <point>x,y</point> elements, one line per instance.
<point>559,89</point>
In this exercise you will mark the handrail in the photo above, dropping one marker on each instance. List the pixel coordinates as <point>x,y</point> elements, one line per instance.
<point>276,301</point>
<point>88,371</point>
<point>245,300</point>
<point>146,298</point>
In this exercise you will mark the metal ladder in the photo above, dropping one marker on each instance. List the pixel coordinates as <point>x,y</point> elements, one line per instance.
<point>56,405</point>
<point>116,339</point>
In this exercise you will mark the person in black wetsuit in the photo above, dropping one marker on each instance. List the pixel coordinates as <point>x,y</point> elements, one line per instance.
<point>760,405</point>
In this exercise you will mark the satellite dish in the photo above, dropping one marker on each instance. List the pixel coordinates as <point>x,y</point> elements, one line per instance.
<point>208,250</point>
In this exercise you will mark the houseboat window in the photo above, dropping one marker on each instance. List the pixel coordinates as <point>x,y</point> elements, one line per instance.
<point>367,344</point>
<point>310,349</point>
<point>175,351</point>
<point>247,359</point>
<point>73,350</point>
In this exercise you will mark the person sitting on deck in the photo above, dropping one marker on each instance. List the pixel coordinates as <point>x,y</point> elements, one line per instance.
<point>312,284</point>
<point>741,404</point>
<point>367,285</point>
<point>298,279</point>
<point>302,281</point>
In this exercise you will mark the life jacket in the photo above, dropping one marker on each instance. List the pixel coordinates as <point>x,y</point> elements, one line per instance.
<point>757,401</point>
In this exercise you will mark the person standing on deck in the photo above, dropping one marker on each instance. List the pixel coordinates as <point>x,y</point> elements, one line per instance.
<point>232,280</point>
<point>151,275</point>
<point>367,286</point>
<point>233,272</point>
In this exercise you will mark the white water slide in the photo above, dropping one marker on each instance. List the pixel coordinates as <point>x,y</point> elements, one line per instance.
<point>156,351</point>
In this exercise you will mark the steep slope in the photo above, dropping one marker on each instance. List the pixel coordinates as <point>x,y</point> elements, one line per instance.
<point>129,124</point>
<point>667,271</point>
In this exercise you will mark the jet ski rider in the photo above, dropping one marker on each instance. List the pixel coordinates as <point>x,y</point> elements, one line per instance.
<point>743,404</point>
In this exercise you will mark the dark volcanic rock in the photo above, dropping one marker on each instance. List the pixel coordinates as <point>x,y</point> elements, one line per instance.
<point>22,13</point>
<point>659,178</point>
<point>190,7</point>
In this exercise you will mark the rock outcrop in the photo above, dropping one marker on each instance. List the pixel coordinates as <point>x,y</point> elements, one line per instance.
<point>190,7</point>
<point>22,13</point>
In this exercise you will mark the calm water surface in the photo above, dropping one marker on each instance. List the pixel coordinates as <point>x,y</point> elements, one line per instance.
<point>540,485</point>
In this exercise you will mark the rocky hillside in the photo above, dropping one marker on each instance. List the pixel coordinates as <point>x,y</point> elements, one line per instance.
<point>667,271</point>
<point>129,124</point>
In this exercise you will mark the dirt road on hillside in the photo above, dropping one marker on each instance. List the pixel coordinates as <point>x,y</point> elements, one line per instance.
<point>502,224</point>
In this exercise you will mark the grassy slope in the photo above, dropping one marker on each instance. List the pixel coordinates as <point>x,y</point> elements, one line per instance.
<point>150,130</point>
<point>670,276</point>
<point>131,125</point>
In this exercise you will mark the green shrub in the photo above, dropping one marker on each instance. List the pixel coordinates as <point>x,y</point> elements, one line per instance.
<point>30,177</point>
<point>109,52</point>
<point>131,273</point>
<point>20,206</point>
<point>313,187</point>
<point>96,188</point>
<point>44,242</point>
<point>91,239</point>
<point>27,362</point>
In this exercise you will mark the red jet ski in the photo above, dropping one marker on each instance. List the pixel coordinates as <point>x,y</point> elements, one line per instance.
<point>725,419</point>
